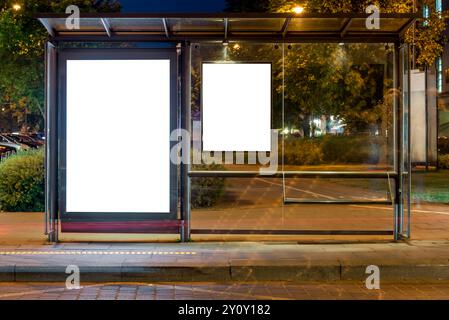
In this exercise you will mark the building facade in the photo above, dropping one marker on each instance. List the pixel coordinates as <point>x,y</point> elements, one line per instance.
<point>442,72</point>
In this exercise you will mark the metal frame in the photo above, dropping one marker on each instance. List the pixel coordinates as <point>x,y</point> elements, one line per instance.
<point>397,175</point>
<point>282,35</point>
<point>183,86</point>
<point>186,123</point>
<point>51,144</point>
<point>114,54</point>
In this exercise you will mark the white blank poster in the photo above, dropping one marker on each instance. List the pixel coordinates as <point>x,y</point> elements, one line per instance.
<point>118,136</point>
<point>418,115</point>
<point>236,107</point>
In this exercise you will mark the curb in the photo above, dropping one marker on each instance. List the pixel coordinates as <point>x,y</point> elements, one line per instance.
<point>298,273</point>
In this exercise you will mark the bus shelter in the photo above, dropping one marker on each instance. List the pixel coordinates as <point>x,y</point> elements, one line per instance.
<point>138,106</point>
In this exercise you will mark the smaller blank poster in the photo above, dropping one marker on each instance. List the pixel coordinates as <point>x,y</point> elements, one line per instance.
<point>236,106</point>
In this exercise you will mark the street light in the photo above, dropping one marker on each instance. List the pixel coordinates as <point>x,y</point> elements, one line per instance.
<point>16,7</point>
<point>298,9</point>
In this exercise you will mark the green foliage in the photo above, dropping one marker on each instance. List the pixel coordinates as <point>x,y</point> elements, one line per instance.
<point>350,149</point>
<point>430,186</point>
<point>331,149</point>
<point>205,192</point>
<point>22,40</point>
<point>303,152</point>
<point>427,36</point>
<point>443,161</point>
<point>329,79</point>
<point>22,182</point>
<point>443,146</point>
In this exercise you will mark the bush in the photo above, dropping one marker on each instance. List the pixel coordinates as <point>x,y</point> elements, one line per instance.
<point>443,145</point>
<point>22,183</point>
<point>330,149</point>
<point>205,192</point>
<point>302,152</point>
<point>443,161</point>
<point>350,149</point>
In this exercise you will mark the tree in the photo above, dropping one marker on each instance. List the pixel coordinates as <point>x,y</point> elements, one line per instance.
<point>427,36</point>
<point>22,41</point>
<point>247,5</point>
<point>350,82</point>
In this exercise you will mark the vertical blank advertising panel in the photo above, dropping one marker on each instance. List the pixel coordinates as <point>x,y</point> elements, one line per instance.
<point>418,116</point>
<point>236,106</point>
<point>118,136</point>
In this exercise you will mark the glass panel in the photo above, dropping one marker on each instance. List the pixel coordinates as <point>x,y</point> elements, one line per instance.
<point>339,107</point>
<point>386,24</point>
<point>184,25</point>
<point>136,24</point>
<point>251,54</point>
<point>86,24</point>
<point>316,24</point>
<point>336,189</point>
<point>404,225</point>
<point>332,110</point>
<point>257,204</point>
<point>256,25</point>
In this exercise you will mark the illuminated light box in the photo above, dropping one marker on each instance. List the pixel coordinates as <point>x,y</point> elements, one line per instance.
<point>236,106</point>
<point>118,136</point>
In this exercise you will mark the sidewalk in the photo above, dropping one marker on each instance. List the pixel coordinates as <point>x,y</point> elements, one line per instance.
<point>233,261</point>
<point>24,256</point>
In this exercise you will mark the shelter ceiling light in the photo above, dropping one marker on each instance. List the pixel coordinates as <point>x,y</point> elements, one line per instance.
<point>298,9</point>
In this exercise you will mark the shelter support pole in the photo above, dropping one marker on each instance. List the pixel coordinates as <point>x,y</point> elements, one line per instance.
<point>51,143</point>
<point>186,125</point>
<point>408,162</point>
<point>402,163</point>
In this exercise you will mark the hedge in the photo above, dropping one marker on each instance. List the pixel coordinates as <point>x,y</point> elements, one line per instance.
<point>22,181</point>
<point>332,149</point>
<point>205,192</point>
<point>443,161</point>
<point>22,184</point>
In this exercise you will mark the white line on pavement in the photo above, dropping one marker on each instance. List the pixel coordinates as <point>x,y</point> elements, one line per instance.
<point>413,210</point>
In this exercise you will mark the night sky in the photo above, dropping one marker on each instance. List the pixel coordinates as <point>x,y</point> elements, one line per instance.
<point>172,5</point>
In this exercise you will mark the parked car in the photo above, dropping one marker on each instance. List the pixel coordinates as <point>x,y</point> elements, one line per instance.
<point>5,138</point>
<point>6,149</point>
<point>38,136</point>
<point>27,140</point>
<point>8,145</point>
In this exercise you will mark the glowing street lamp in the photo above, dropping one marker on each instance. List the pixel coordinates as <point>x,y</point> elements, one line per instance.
<point>16,7</point>
<point>298,9</point>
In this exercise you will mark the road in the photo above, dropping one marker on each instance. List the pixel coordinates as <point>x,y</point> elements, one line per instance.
<point>223,291</point>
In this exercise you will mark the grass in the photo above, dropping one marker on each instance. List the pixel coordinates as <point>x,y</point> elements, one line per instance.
<point>431,186</point>
<point>426,186</point>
